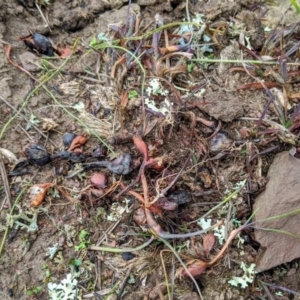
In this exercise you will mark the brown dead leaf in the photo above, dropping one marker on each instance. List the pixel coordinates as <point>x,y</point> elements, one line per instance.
<point>208,243</point>
<point>141,146</point>
<point>258,85</point>
<point>195,267</point>
<point>124,99</point>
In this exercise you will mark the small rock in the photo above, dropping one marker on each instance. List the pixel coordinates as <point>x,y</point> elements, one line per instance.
<point>128,256</point>
<point>4,87</point>
<point>30,61</point>
<point>99,180</point>
<point>280,196</point>
<point>68,138</point>
<point>146,2</point>
<point>34,101</point>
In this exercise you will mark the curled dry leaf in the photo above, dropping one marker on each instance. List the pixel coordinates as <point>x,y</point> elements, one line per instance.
<point>9,155</point>
<point>140,217</point>
<point>37,193</point>
<point>99,180</point>
<point>78,141</point>
<point>124,99</point>
<point>258,85</point>
<point>141,146</point>
<point>208,243</point>
<point>157,163</point>
<point>195,267</point>
<point>36,154</point>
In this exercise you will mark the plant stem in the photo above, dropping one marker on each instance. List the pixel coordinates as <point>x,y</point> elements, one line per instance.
<point>121,250</point>
<point>182,263</point>
<point>238,61</point>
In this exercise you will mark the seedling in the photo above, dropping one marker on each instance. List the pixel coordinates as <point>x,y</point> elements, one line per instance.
<point>83,239</point>
<point>133,94</point>
<point>47,273</point>
<point>34,291</point>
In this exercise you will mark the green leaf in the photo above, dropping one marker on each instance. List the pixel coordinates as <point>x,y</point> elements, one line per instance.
<point>93,42</point>
<point>296,5</point>
<point>191,67</point>
<point>133,94</point>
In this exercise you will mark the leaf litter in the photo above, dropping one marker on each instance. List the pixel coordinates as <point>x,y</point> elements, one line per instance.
<point>144,90</point>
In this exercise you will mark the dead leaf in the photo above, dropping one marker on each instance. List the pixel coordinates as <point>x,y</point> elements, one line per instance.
<point>141,146</point>
<point>78,141</point>
<point>124,99</point>
<point>9,155</point>
<point>195,267</point>
<point>258,85</point>
<point>208,243</point>
<point>37,193</point>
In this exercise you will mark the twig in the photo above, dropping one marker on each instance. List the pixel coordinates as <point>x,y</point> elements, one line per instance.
<point>227,228</point>
<point>5,181</point>
<point>165,273</point>
<point>125,189</point>
<point>65,194</point>
<point>98,271</point>
<point>121,250</point>
<point>42,15</point>
<point>109,230</point>
<point>7,53</point>
<point>215,132</point>
<point>123,284</point>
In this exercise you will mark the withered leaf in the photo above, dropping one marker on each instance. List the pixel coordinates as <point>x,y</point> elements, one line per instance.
<point>208,243</point>
<point>195,267</point>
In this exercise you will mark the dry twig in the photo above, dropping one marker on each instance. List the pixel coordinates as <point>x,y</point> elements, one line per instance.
<point>5,181</point>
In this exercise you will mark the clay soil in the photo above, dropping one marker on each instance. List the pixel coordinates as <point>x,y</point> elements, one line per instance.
<point>199,129</point>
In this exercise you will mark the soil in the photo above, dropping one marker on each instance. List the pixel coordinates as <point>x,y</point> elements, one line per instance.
<point>205,123</point>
